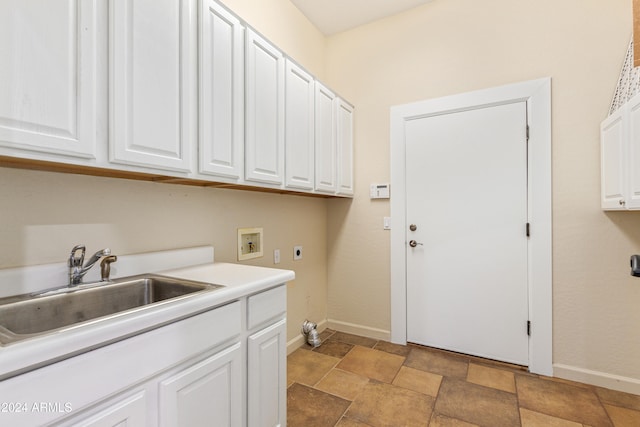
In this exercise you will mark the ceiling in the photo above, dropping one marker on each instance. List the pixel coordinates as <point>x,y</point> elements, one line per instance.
<point>334,16</point>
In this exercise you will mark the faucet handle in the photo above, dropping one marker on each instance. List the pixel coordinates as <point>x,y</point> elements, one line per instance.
<point>105,267</point>
<point>75,261</point>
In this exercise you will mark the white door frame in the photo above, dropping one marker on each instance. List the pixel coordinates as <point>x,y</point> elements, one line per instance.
<point>537,95</point>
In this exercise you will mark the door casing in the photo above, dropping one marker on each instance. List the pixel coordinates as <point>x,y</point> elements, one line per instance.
<point>537,95</point>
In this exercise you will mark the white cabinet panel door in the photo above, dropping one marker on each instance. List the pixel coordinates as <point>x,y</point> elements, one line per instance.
<point>325,139</point>
<point>613,159</point>
<point>221,92</point>
<point>153,82</point>
<point>208,393</point>
<point>344,136</point>
<point>299,134</point>
<point>264,143</point>
<point>268,377</point>
<point>48,76</point>
<point>130,411</point>
<point>632,198</point>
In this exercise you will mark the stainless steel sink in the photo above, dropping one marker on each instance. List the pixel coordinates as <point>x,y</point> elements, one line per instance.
<point>32,315</point>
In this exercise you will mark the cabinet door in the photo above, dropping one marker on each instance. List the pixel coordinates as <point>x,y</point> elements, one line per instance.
<point>221,91</point>
<point>267,377</point>
<point>344,135</point>
<point>325,114</point>
<point>152,81</point>
<point>48,76</point>
<point>130,411</point>
<point>299,127</point>
<point>208,393</point>
<point>632,197</point>
<point>264,111</point>
<point>613,161</point>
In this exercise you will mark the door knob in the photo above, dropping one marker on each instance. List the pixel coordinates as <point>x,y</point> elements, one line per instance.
<point>413,243</point>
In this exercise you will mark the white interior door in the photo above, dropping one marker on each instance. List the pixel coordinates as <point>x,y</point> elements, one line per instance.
<point>466,194</point>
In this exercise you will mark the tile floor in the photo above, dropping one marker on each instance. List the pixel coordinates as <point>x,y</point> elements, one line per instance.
<point>354,381</point>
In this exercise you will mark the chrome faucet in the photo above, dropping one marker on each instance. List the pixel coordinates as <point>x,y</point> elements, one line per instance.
<point>76,269</point>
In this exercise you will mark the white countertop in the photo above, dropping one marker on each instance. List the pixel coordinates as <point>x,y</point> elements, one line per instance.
<point>238,281</point>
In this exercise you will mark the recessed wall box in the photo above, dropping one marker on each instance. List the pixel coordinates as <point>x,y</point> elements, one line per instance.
<point>250,243</point>
<point>379,191</point>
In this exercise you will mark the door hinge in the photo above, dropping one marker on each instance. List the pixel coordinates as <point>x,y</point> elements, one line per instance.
<point>528,327</point>
<point>528,230</point>
<point>527,133</point>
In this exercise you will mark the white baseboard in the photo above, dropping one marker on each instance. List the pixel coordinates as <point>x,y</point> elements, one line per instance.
<point>600,379</point>
<point>365,331</point>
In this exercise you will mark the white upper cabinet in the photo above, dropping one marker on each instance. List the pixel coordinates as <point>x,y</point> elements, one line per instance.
<point>344,136</point>
<point>633,155</point>
<point>264,120</point>
<point>48,77</point>
<point>153,83</point>
<point>325,131</point>
<point>620,158</point>
<point>221,139</point>
<point>299,132</point>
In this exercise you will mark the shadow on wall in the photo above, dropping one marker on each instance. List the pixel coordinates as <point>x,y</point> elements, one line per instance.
<point>628,222</point>
<point>336,221</point>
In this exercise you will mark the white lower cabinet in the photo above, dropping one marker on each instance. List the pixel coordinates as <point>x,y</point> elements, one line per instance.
<point>267,400</point>
<point>211,369</point>
<point>208,393</point>
<point>122,411</point>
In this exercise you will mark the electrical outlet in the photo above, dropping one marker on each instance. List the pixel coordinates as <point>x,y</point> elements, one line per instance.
<point>297,253</point>
<point>276,256</point>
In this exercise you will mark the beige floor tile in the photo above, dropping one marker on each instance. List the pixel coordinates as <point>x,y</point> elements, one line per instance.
<point>349,422</point>
<point>536,419</point>
<point>334,348</point>
<point>308,367</point>
<point>400,350</point>
<point>307,406</point>
<point>623,417</point>
<point>491,377</point>
<point>477,404</point>
<point>439,420</point>
<point>618,398</point>
<point>437,363</point>
<point>342,383</point>
<point>561,400</point>
<point>354,339</point>
<point>417,380</point>
<point>381,404</point>
<point>373,364</point>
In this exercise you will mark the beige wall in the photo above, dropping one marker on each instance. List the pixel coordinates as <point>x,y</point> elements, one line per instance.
<point>454,46</point>
<point>43,215</point>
